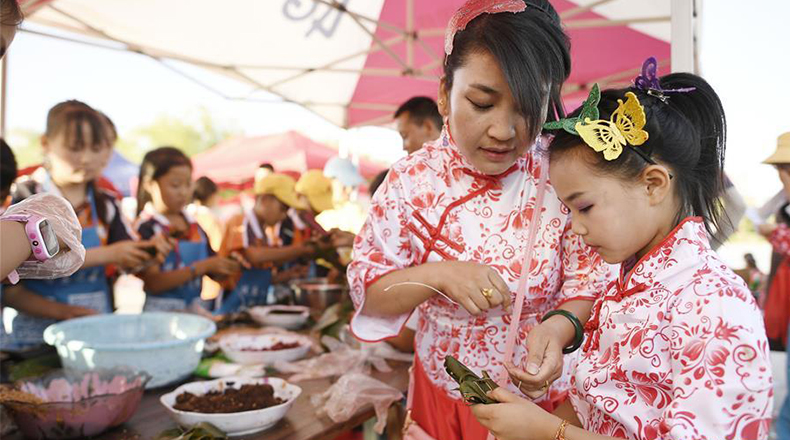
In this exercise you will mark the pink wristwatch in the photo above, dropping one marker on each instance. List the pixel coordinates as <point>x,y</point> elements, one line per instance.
<point>43,241</point>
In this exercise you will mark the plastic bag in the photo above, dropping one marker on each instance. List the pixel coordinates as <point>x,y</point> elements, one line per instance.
<point>354,391</point>
<point>64,222</point>
<point>342,359</point>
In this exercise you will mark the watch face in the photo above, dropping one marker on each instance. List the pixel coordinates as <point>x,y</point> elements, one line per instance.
<point>50,239</point>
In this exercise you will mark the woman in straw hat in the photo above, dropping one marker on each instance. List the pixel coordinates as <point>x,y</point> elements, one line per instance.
<point>777,302</point>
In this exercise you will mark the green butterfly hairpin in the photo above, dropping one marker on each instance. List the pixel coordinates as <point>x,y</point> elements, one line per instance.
<point>589,111</point>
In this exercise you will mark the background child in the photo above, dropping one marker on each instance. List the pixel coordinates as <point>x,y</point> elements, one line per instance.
<point>75,147</point>
<point>267,238</point>
<point>676,348</point>
<point>164,192</point>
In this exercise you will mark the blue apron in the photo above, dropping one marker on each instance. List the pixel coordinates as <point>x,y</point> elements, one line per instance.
<point>85,288</point>
<point>185,254</point>
<point>251,290</point>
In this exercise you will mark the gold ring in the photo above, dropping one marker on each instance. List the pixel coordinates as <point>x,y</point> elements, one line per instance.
<point>546,385</point>
<point>519,385</point>
<point>487,292</point>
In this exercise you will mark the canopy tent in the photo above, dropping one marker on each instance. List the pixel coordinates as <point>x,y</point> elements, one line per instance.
<point>236,160</point>
<point>352,61</point>
<point>123,173</point>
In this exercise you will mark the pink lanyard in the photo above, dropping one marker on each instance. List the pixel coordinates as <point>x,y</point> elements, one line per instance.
<point>521,290</point>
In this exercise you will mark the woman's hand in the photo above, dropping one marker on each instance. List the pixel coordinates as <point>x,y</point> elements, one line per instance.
<point>766,229</point>
<point>474,286</point>
<point>544,360</point>
<point>515,418</point>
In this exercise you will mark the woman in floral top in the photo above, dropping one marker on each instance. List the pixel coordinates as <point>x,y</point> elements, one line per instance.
<point>455,217</point>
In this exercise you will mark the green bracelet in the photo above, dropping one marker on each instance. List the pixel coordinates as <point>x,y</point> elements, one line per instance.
<point>577,327</point>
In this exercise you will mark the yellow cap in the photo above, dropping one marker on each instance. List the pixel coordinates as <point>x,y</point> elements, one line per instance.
<point>782,153</point>
<point>318,190</point>
<point>281,186</point>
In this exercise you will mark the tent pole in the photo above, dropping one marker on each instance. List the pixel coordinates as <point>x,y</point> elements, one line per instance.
<point>682,35</point>
<point>3,94</point>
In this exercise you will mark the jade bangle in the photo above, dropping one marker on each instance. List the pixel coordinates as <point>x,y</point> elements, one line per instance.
<point>577,327</point>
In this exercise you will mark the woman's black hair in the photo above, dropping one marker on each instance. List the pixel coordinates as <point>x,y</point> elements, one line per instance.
<point>156,163</point>
<point>687,134</point>
<point>533,52</point>
<point>204,189</point>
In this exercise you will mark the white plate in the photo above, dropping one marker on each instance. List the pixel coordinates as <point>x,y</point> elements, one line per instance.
<point>234,424</point>
<point>233,345</point>
<point>292,321</point>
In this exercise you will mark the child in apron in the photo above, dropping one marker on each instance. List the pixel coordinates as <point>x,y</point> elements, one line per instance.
<point>75,148</point>
<point>165,190</point>
<point>266,237</point>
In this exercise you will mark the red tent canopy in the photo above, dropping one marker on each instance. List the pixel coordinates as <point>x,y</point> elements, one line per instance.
<point>237,159</point>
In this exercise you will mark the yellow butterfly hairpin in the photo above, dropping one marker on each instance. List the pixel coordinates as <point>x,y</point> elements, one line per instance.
<point>625,127</point>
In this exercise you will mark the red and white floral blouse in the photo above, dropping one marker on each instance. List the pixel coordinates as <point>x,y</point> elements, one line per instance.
<point>675,350</point>
<point>433,206</point>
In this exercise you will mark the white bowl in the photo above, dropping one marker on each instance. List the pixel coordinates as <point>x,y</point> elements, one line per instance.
<point>234,424</point>
<point>233,346</point>
<point>267,315</point>
<point>167,346</point>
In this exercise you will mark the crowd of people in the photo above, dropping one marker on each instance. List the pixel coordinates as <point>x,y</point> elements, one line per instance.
<point>569,255</point>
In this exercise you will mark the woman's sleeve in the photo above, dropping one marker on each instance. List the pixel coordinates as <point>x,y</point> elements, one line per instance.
<point>585,274</point>
<point>720,366</point>
<point>780,240</point>
<point>382,246</point>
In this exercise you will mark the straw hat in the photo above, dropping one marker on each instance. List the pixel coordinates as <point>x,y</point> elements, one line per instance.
<point>281,186</point>
<point>317,188</point>
<point>782,153</point>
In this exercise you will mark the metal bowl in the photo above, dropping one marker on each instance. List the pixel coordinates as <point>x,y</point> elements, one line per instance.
<point>317,293</point>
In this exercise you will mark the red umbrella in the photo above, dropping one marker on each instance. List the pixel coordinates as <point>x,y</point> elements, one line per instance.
<point>236,160</point>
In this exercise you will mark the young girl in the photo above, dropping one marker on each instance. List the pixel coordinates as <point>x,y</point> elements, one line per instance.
<point>164,192</point>
<point>74,147</point>
<point>676,348</point>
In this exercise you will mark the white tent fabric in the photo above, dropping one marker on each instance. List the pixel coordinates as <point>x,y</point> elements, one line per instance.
<point>350,61</point>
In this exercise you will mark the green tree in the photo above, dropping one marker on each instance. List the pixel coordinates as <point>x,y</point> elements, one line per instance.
<point>26,145</point>
<point>192,135</point>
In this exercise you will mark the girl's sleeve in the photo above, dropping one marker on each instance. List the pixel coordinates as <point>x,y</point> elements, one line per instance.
<point>720,365</point>
<point>585,274</point>
<point>381,247</point>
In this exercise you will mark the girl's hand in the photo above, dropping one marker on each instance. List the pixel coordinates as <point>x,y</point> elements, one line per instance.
<point>128,254</point>
<point>474,286</point>
<point>163,244</point>
<point>218,266</point>
<point>544,359</point>
<point>69,312</point>
<point>515,418</point>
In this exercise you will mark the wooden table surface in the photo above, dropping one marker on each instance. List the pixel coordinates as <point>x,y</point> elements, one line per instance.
<point>300,423</point>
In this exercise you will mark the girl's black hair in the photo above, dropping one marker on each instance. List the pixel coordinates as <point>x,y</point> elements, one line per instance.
<point>156,163</point>
<point>79,123</point>
<point>687,134</point>
<point>533,52</point>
